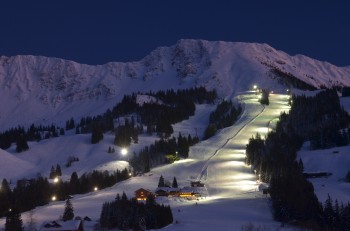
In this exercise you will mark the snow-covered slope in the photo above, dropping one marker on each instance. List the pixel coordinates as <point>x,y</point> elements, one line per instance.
<point>44,90</point>
<point>13,166</point>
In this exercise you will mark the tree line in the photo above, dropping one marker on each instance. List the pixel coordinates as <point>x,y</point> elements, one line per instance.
<point>130,214</point>
<point>223,116</point>
<point>21,136</point>
<point>161,152</point>
<point>14,220</point>
<point>274,159</point>
<point>28,194</point>
<point>325,126</point>
<point>157,117</point>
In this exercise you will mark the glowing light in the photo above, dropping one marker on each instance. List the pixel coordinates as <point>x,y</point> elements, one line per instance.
<point>243,176</point>
<point>124,151</point>
<point>55,180</point>
<point>255,87</point>
<point>95,189</point>
<point>262,130</point>
<point>53,198</point>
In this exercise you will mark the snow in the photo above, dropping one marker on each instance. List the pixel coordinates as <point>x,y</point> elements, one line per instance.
<point>11,165</point>
<point>232,198</point>
<point>51,90</point>
<point>48,90</point>
<point>142,99</point>
<point>334,160</point>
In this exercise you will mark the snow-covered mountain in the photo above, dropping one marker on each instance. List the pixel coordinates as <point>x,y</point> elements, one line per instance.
<point>37,89</point>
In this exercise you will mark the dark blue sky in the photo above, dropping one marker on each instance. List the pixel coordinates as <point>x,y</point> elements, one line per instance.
<point>96,32</point>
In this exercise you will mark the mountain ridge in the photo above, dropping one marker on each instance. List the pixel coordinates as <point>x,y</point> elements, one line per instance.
<point>54,90</point>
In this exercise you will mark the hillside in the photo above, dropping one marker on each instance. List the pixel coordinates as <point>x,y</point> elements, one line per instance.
<point>232,199</point>
<point>49,90</point>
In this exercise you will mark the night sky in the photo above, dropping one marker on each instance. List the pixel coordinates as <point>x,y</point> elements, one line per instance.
<point>96,32</point>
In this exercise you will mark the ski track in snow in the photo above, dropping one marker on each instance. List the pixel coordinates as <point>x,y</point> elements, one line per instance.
<point>233,198</point>
<point>204,171</point>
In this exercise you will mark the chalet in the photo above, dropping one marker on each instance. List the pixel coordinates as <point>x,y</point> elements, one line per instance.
<point>174,192</point>
<point>71,225</point>
<point>162,192</point>
<point>186,193</point>
<point>142,194</point>
<point>197,184</point>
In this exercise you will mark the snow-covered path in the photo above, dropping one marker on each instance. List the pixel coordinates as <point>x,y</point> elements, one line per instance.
<point>233,198</point>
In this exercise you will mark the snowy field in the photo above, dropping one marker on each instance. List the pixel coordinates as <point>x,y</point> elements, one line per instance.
<point>232,198</point>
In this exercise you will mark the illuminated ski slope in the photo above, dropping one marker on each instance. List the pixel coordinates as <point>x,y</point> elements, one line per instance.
<point>232,199</point>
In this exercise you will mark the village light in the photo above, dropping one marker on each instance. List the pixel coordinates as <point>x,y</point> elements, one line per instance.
<point>55,180</point>
<point>124,151</point>
<point>53,198</point>
<point>255,87</point>
<point>95,189</point>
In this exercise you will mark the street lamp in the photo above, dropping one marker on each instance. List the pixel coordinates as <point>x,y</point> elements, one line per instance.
<point>95,189</point>
<point>53,198</point>
<point>55,180</point>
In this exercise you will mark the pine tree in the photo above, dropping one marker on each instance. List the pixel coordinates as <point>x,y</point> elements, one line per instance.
<point>5,197</point>
<point>21,143</point>
<point>52,173</point>
<point>329,211</point>
<point>14,221</point>
<point>161,182</point>
<point>68,213</point>
<point>58,170</point>
<point>124,197</point>
<point>74,184</point>
<point>97,134</point>
<point>174,184</point>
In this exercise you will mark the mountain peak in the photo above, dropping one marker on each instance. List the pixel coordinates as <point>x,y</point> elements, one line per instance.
<point>54,89</point>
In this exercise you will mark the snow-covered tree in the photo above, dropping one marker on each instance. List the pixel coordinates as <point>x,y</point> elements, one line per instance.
<point>68,213</point>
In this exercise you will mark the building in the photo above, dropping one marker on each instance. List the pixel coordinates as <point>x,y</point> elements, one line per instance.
<point>71,225</point>
<point>162,191</point>
<point>197,184</point>
<point>142,194</point>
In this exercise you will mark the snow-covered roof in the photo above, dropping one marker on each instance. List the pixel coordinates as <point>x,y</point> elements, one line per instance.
<point>61,225</point>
